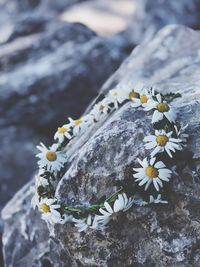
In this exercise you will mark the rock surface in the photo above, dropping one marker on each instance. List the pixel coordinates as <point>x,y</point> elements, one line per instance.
<point>147,236</point>
<point>49,70</point>
<point>151,15</point>
<point>43,75</point>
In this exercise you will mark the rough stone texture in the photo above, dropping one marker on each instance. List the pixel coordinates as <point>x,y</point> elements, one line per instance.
<point>54,68</point>
<point>146,236</point>
<point>49,70</point>
<point>36,237</point>
<point>42,76</point>
<point>151,15</point>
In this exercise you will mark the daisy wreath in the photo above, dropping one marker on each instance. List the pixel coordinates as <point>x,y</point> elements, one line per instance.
<point>168,139</point>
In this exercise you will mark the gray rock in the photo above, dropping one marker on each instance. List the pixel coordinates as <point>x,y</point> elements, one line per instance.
<point>11,9</point>
<point>135,20</point>
<point>49,70</point>
<point>146,236</point>
<point>37,236</point>
<point>53,68</point>
<point>151,15</point>
<point>42,79</point>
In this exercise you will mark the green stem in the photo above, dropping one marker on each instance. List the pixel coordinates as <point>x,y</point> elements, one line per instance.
<point>110,200</point>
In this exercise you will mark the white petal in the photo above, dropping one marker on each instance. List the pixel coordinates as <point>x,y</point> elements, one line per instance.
<point>125,199</point>
<point>175,140</point>
<point>148,184</point>
<point>139,175</point>
<point>138,169</point>
<point>158,149</point>
<point>108,207</point>
<point>157,116</point>
<point>143,181</point>
<point>164,178</point>
<point>83,228</point>
<point>152,161</point>
<point>155,184</point>
<point>136,103</point>
<point>150,145</point>
<point>159,98</point>
<point>142,163</point>
<point>55,213</point>
<point>159,182</point>
<point>159,164</point>
<point>149,138</point>
<point>168,152</point>
<point>105,213</point>
<point>118,204</point>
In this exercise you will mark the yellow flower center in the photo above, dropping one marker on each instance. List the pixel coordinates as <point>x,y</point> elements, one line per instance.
<point>45,208</point>
<point>162,140</point>
<point>51,155</point>
<point>151,172</point>
<point>116,214</point>
<point>162,107</point>
<point>62,130</point>
<point>77,122</point>
<point>133,95</point>
<point>114,93</point>
<point>143,99</point>
<point>101,108</point>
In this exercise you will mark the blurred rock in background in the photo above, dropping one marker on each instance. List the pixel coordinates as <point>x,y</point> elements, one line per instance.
<point>138,20</point>
<point>152,15</point>
<point>11,9</point>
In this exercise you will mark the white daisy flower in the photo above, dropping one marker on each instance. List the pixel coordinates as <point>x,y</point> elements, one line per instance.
<point>101,108</point>
<point>142,98</point>
<point>80,125</point>
<point>161,142</point>
<point>181,133</point>
<point>161,109</point>
<point>139,201</point>
<point>117,96</point>
<point>49,209</point>
<point>121,204</point>
<point>40,180</point>
<point>50,159</point>
<point>89,222</point>
<point>157,200</point>
<point>63,132</point>
<point>152,172</point>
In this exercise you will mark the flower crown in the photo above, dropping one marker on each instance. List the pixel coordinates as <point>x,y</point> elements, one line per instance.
<point>168,139</point>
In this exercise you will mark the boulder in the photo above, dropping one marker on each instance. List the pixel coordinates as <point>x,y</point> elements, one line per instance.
<point>135,20</point>
<point>11,9</point>
<point>49,70</point>
<point>42,78</point>
<point>151,15</point>
<point>160,235</point>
